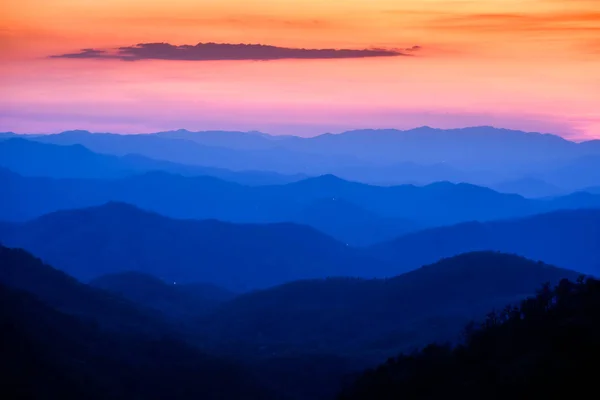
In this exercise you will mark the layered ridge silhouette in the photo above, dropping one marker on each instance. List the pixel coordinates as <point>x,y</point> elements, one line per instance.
<point>479,155</point>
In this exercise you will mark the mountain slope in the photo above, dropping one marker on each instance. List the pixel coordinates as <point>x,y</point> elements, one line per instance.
<point>481,145</point>
<point>117,237</point>
<point>569,239</point>
<point>576,174</point>
<point>22,271</point>
<point>538,348</point>
<point>183,151</point>
<point>529,188</point>
<point>418,203</point>
<point>229,139</point>
<point>178,301</point>
<point>371,318</point>
<point>592,189</point>
<point>32,158</point>
<point>352,224</point>
<point>206,197</point>
<point>481,155</point>
<point>484,147</point>
<point>48,355</point>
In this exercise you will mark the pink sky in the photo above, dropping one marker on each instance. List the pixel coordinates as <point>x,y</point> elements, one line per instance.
<point>527,64</point>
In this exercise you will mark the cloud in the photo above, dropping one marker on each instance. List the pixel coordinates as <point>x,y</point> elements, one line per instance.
<point>225,51</point>
<point>567,20</point>
<point>87,53</point>
<point>514,22</point>
<point>592,47</point>
<point>240,21</point>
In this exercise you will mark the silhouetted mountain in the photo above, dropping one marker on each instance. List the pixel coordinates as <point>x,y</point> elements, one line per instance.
<point>592,189</point>
<point>190,152</point>
<point>352,224</point>
<point>50,355</point>
<point>479,155</point>
<point>210,198</point>
<point>420,204</point>
<point>536,350</point>
<point>229,139</point>
<point>475,147</point>
<point>480,147</point>
<point>529,187</point>
<point>576,174</point>
<point>309,376</point>
<point>20,270</point>
<point>461,202</point>
<point>393,174</point>
<point>205,197</point>
<point>176,300</point>
<point>569,239</point>
<point>577,200</point>
<point>251,178</point>
<point>6,229</point>
<point>117,237</point>
<point>371,318</point>
<point>403,173</point>
<point>31,158</point>
<point>53,355</point>
<point>174,195</point>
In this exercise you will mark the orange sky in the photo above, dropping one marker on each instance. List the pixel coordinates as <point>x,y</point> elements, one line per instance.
<point>528,64</point>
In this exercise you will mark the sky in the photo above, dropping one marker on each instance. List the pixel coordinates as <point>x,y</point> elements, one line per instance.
<point>299,66</point>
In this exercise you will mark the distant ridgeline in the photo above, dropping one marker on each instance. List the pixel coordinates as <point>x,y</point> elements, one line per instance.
<point>161,172</point>
<point>547,164</point>
<point>116,238</point>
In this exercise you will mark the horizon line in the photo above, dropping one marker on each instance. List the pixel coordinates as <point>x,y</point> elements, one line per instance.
<point>274,135</point>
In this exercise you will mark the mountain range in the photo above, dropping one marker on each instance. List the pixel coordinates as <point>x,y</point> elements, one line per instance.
<point>479,155</point>
<point>372,318</point>
<point>59,341</point>
<point>564,238</point>
<point>294,341</point>
<point>354,213</point>
<point>242,265</point>
<point>117,238</point>
<point>424,145</point>
<point>31,158</point>
<point>180,301</point>
<point>21,271</point>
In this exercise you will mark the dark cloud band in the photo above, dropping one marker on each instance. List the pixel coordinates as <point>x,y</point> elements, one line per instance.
<point>224,51</point>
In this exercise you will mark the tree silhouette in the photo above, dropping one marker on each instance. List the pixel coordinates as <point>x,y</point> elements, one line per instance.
<point>546,344</point>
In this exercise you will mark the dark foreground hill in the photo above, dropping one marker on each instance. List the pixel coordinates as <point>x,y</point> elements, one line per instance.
<point>50,355</point>
<point>117,237</point>
<point>22,271</point>
<point>181,301</point>
<point>374,318</point>
<point>543,347</point>
<point>100,346</point>
<point>569,239</point>
<point>300,339</point>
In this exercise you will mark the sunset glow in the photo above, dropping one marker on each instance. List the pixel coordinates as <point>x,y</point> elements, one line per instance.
<point>524,64</point>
